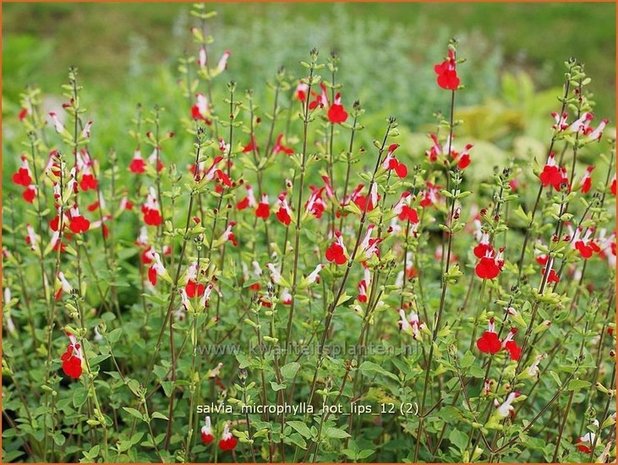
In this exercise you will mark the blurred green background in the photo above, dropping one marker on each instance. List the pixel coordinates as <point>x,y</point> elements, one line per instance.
<point>114,43</point>
<point>128,53</point>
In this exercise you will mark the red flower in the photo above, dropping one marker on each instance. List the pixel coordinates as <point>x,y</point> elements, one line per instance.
<point>152,217</point>
<point>301,91</point>
<point>489,342</point>
<point>283,216</point>
<point>193,289</point>
<point>586,182</point>
<point>552,277</point>
<point>22,114</point>
<point>263,209</point>
<point>251,146</point>
<point>489,267</point>
<point>613,186</point>
<point>224,178</point>
<point>447,72</point>
<point>409,214</point>
<point>585,250</point>
<point>137,165</point>
<point>280,148</point>
<point>78,224</point>
<point>72,359</point>
<point>22,177</point>
<point>255,287</point>
<point>483,247</point>
<point>336,252</point>
<point>152,275</point>
<point>514,350</point>
<point>200,110</point>
<point>336,112</point>
<point>552,174</point>
<point>88,182</point>
<point>228,441</point>
<point>206,432</point>
<point>316,204</point>
<point>242,204</point>
<point>29,194</point>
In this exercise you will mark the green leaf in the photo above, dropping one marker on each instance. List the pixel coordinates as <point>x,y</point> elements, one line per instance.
<point>458,439</point>
<point>276,386</point>
<point>136,413</point>
<point>289,370</point>
<point>370,367</point>
<point>577,384</point>
<point>300,427</point>
<point>114,336</point>
<point>160,416</point>
<point>336,433</point>
<point>467,360</point>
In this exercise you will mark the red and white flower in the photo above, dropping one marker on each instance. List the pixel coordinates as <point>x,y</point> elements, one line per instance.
<point>72,358</point>
<point>284,212</point>
<point>137,165</point>
<point>206,431</point>
<point>489,342</point>
<point>263,208</point>
<point>151,210</point>
<point>411,324</point>
<point>336,252</point>
<point>227,441</point>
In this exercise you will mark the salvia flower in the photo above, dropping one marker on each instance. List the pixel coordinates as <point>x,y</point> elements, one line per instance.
<point>157,269</point>
<point>263,208</point>
<point>336,112</point>
<point>62,285</point>
<point>248,200</point>
<point>192,287</point>
<point>313,276</point>
<point>31,237</point>
<point>363,286</point>
<point>206,432</point>
<point>23,176</point>
<point>228,234</point>
<point>490,265</point>
<point>511,346</point>
<point>336,252</point>
<point>284,213</point>
<point>58,126</point>
<point>489,342</point>
<point>279,147</point>
<point>506,408</point>
<point>201,109</point>
<point>72,358</point>
<point>585,245</point>
<point>391,163</point>
<point>301,91</point>
<point>227,441</point>
<point>315,205</point>
<point>586,181</point>
<point>411,324</point>
<point>552,174</point>
<point>137,165</point>
<point>79,224</point>
<point>29,193</point>
<point>150,209</point>
<point>447,72</point>
<point>483,247</point>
